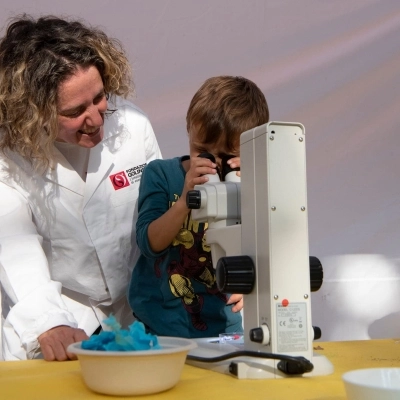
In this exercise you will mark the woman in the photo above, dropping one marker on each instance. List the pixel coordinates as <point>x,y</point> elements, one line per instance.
<point>71,154</point>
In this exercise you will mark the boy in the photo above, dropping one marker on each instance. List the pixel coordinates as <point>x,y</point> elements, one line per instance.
<point>173,289</point>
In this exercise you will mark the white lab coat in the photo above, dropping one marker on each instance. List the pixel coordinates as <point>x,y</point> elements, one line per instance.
<point>67,247</point>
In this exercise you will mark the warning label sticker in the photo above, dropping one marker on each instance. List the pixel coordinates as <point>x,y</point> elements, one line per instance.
<point>292,327</point>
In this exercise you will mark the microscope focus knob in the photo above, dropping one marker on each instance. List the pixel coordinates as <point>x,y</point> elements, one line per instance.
<point>316,274</point>
<point>260,335</point>
<point>193,199</point>
<point>235,274</point>
<point>317,332</point>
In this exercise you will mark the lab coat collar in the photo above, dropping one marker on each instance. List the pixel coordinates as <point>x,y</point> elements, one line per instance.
<point>64,175</point>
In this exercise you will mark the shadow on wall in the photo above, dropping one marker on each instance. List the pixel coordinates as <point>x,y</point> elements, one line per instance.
<point>386,327</point>
<point>359,298</point>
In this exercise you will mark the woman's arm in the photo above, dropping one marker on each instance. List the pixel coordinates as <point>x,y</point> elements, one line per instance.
<point>34,299</point>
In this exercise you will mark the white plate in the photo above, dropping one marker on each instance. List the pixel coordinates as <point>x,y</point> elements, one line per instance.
<point>373,384</point>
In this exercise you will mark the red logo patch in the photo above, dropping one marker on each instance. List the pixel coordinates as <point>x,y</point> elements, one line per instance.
<point>119,180</point>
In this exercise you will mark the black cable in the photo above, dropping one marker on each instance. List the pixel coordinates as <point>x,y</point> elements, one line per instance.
<point>289,365</point>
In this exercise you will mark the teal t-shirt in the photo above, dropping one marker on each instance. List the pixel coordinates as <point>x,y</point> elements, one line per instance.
<point>174,293</point>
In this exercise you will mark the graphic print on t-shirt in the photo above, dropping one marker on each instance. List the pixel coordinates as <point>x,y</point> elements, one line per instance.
<point>193,264</point>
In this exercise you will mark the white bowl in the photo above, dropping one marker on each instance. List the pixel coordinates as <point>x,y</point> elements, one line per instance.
<point>372,384</point>
<point>127,373</point>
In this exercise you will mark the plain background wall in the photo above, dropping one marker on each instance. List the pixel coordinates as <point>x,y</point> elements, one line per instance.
<point>331,65</point>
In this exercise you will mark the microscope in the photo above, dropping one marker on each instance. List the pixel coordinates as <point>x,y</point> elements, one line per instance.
<point>258,234</point>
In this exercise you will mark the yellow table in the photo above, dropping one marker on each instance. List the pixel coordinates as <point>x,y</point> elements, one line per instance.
<point>43,380</point>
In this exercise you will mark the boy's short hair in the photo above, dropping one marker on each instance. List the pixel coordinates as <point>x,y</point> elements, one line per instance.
<point>224,107</point>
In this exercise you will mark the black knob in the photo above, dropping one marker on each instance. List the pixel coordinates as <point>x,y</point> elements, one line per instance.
<point>256,335</point>
<point>235,274</point>
<point>316,274</point>
<point>193,199</point>
<point>317,332</point>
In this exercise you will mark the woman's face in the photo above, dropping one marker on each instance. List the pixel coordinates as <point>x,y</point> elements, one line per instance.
<point>81,107</point>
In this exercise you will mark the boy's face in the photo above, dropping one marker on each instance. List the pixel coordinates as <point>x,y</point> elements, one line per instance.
<point>217,149</point>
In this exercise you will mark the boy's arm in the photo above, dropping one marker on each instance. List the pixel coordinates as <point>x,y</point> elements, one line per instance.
<point>166,222</point>
<point>162,231</point>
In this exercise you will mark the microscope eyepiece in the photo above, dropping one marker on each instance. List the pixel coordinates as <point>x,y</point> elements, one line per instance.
<point>212,178</point>
<point>207,155</point>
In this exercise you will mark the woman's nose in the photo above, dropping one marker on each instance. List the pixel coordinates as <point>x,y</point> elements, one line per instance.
<point>96,116</point>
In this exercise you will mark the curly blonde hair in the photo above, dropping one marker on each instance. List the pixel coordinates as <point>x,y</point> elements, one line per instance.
<point>36,56</point>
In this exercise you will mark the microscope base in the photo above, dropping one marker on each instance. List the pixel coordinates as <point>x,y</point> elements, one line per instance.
<point>247,367</point>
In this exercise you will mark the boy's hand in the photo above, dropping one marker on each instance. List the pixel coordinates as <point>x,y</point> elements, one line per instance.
<point>197,173</point>
<point>234,163</point>
<point>237,301</point>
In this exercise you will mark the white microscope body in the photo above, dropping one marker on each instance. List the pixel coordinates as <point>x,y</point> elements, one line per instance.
<point>263,217</point>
